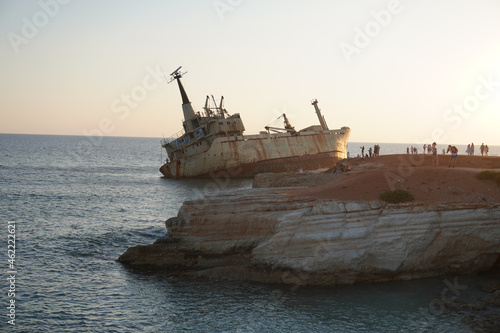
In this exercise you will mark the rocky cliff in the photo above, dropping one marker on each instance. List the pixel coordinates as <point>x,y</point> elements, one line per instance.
<point>267,235</point>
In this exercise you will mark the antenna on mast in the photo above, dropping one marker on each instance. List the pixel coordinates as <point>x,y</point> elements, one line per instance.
<point>187,108</point>
<point>176,74</point>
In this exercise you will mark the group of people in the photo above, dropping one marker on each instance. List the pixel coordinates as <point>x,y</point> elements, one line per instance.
<point>432,149</point>
<point>413,150</point>
<point>484,149</point>
<point>454,153</point>
<point>427,149</point>
<point>372,152</point>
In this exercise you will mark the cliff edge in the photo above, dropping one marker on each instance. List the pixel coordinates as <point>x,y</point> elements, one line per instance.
<point>338,232</point>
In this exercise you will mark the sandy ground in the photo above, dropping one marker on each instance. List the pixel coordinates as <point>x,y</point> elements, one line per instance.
<point>415,173</point>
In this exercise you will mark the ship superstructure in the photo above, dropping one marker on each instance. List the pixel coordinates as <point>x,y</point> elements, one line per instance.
<point>213,141</point>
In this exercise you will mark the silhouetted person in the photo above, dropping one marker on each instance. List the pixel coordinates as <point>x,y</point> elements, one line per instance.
<point>454,155</point>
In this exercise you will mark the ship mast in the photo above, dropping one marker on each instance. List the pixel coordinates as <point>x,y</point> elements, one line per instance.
<point>321,118</point>
<point>187,108</point>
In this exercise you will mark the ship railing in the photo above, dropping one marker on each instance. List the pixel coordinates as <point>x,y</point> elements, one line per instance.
<point>172,137</point>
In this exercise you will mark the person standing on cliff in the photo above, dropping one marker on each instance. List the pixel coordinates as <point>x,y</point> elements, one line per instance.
<point>454,155</point>
<point>434,154</point>
<point>482,149</point>
<point>362,151</point>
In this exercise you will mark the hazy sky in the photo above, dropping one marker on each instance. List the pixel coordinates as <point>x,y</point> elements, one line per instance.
<point>393,71</point>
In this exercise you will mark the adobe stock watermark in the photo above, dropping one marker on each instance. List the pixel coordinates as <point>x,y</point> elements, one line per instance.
<point>427,319</point>
<point>122,106</point>
<point>293,278</point>
<point>372,29</point>
<point>31,27</point>
<point>460,111</point>
<point>276,116</point>
<point>219,181</point>
<point>225,6</point>
<point>455,116</point>
<point>437,306</point>
<point>320,255</point>
<point>11,272</point>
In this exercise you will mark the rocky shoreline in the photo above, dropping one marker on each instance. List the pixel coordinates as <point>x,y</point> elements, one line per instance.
<point>267,236</point>
<point>297,235</point>
<point>306,228</point>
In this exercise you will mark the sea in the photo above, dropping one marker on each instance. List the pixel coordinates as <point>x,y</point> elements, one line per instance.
<point>71,205</point>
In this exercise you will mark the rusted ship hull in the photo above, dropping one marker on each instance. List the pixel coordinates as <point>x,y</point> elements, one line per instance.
<point>212,141</point>
<point>249,155</point>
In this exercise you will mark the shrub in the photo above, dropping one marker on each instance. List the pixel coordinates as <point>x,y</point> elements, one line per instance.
<point>397,196</point>
<point>489,175</point>
<point>486,174</point>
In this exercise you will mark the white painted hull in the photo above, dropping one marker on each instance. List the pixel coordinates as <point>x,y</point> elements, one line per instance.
<point>253,154</point>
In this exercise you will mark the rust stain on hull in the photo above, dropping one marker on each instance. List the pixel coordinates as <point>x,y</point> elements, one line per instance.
<point>264,153</point>
<point>285,164</point>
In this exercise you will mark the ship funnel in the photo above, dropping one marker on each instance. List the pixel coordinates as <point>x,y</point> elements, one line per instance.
<point>321,118</point>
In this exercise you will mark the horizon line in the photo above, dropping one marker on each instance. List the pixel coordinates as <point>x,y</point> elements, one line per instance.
<point>162,137</point>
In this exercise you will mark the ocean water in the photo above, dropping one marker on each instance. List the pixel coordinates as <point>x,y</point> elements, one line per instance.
<point>78,204</point>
